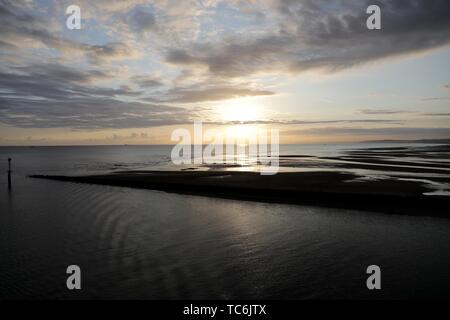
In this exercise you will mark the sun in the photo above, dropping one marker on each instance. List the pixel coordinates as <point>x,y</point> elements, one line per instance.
<point>239,110</point>
<point>242,132</point>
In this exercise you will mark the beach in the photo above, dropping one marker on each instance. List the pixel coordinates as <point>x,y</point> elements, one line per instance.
<point>338,190</point>
<point>399,180</point>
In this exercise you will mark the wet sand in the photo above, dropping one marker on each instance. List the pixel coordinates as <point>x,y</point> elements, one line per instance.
<point>326,189</point>
<point>424,159</point>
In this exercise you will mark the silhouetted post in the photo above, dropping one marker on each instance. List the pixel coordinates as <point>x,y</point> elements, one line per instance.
<point>9,173</point>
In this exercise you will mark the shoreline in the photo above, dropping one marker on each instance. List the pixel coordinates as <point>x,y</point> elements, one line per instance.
<point>323,189</point>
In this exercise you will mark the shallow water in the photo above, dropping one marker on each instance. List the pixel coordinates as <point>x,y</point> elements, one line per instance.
<point>153,245</point>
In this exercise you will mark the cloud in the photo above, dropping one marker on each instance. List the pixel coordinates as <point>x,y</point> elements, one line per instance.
<point>55,81</point>
<point>317,35</point>
<point>52,96</point>
<point>187,53</point>
<point>110,51</point>
<point>238,57</point>
<point>54,72</point>
<point>214,94</point>
<point>85,113</point>
<point>147,81</point>
<point>382,111</point>
<point>437,114</point>
<point>131,136</point>
<point>311,122</point>
<point>20,24</point>
<point>391,131</point>
<point>142,20</point>
<point>436,99</point>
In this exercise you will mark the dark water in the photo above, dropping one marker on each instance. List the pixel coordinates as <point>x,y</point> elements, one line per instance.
<point>153,245</point>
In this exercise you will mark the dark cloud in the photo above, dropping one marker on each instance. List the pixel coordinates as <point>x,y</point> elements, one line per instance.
<point>147,81</point>
<point>50,96</point>
<point>110,51</point>
<point>18,23</point>
<point>55,81</point>
<point>330,36</point>
<point>84,113</point>
<point>237,57</point>
<point>179,56</point>
<point>55,72</point>
<point>382,111</point>
<point>437,114</point>
<point>142,20</point>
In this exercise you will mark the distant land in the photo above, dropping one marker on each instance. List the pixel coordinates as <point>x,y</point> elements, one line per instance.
<point>444,141</point>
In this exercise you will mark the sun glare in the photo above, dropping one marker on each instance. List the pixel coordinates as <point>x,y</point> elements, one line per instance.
<point>243,132</point>
<point>239,110</point>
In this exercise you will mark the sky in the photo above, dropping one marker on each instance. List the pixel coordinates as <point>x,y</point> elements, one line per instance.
<point>137,70</point>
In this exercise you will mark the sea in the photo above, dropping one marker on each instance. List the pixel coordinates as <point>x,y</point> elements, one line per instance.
<point>144,244</point>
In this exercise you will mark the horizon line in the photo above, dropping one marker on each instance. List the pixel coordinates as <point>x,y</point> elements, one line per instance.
<point>441,140</point>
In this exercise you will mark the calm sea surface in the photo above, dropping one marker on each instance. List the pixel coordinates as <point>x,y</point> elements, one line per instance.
<point>142,244</point>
